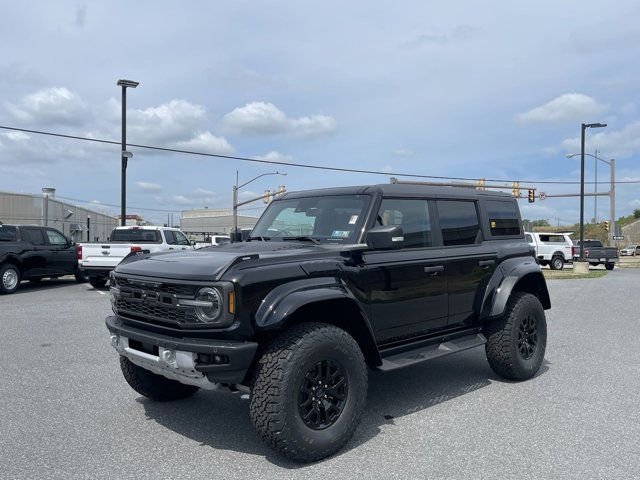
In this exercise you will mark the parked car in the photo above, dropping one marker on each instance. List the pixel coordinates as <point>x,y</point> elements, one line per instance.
<point>630,251</point>
<point>97,260</point>
<point>553,249</point>
<point>331,282</point>
<point>29,252</point>
<point>213,241</point>
<point>596,254</point>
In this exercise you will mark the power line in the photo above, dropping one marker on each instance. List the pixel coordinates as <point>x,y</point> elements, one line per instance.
<point>300,165</point>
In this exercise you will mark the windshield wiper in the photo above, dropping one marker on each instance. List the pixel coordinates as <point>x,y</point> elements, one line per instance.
<point>258,237</point>
<point>303,238</point>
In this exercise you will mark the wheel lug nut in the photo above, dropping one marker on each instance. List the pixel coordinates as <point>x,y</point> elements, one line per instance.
<point>325,396</point>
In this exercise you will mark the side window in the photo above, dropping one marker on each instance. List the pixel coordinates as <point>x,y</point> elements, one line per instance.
<point>412,216</point>
<point>181,239</point>
<point>503,217</point>
<point>56,238</point>
<point>34,236</point>
<point>8,234</point>
<point>553,239</point>
<point>171,239</point>
<point>458,222</point>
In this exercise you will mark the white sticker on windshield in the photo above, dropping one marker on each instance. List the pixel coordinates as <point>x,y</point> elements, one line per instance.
<point>353,219</point>
<point>340,233</point>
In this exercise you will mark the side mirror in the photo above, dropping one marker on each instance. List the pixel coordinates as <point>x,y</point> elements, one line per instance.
<point>192,243</point>
<point>384,238</point>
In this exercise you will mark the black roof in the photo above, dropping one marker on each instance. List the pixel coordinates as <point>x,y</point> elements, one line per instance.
<point>401,190</point>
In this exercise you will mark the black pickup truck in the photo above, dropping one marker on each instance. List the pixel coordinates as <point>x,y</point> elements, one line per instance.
<point>596,254</point>
<point>332,282</point>
<point>32,253</point>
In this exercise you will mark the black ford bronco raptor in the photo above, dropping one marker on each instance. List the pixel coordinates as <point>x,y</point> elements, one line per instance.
<point>332,282</point>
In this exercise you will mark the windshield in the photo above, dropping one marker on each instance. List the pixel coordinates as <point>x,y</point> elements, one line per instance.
<point>331,219</point>
<point>135,235</point>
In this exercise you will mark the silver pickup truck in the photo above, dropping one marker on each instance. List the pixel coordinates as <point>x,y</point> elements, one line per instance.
<point>596,254</point>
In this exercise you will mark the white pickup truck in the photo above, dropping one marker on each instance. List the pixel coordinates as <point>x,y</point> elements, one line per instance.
<point>213,241</point>
<point>96,260</point>
<point>553,249</point>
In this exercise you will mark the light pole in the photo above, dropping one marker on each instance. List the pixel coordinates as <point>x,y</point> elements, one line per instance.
<point>236,187</point>
<point>612,191</point>
<point>123,158</point>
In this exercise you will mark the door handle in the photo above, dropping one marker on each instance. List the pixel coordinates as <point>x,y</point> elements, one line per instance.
<point>486,263</point>
<point>170,248</point>
<point>435,270</point>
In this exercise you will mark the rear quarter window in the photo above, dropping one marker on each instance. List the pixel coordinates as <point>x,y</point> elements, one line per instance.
<point>553,239</point>
<point>504,219</point>
<point>135,236</point>
<point>8,234</point>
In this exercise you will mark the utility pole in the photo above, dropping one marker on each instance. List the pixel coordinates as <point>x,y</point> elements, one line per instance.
<point>595,200</point>
<point>612,202</point>
<point>123,157</point>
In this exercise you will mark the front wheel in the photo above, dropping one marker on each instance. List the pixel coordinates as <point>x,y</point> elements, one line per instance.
<point>310,391</point>
<point>516,342</point>
<point>609,266</point>
<point>155,387</point>
<point>9,278</point>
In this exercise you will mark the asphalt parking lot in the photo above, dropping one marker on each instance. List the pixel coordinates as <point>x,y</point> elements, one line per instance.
<point>66,411</point>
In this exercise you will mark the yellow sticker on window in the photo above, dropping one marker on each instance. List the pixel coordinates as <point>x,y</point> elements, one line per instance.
<point>493,224</point>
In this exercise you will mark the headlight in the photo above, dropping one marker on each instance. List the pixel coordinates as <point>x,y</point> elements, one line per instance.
<point>208,304</point>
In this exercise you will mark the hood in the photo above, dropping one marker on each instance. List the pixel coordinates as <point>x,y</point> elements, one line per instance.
<point>210,263</point>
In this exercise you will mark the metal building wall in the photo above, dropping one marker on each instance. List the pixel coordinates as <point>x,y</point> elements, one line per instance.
<point>24,209</point>
<point>631,233</point>
<point>215,224</point>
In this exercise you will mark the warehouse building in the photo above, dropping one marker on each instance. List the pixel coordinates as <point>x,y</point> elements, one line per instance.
<point>79,224</point>
<point>209,221</point>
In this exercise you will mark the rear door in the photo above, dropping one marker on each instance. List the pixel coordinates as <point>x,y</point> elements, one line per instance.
<point>407,287</point>
<point>38,259</point>
<point>468,258</point>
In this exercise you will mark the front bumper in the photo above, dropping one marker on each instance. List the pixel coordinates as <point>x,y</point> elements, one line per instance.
<point>199,362</point>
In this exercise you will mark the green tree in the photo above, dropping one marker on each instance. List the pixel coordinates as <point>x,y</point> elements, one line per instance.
<point>636,213</point>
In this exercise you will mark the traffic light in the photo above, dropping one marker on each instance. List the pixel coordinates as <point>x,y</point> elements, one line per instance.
<point>606,225</point>
<point>532,195</point>
<point>516,189</point>
<point>267,196</point>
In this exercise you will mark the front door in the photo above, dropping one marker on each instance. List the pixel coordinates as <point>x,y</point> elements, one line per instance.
<point>407,288</point>
<point>63,254</point>
<point>468,259</point>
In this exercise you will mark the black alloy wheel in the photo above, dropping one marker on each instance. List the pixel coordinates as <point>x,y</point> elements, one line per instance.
<point>323,394</point>
<point>527,336</point>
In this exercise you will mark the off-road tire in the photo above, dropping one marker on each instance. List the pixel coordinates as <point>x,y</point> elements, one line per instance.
<point>502,349</point>
<point>155,387</point>
<point>9,268</point>
<point>281,370</point>
<point>609,266</point>
<point>97,282</point>
<point>557,263</point>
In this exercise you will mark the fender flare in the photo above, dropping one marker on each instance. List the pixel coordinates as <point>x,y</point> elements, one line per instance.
<point>12,257</point>
<point>282,303</point>
<point>513,274</point>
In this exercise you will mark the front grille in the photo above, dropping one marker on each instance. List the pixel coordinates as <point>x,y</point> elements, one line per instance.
<point>153,301</point>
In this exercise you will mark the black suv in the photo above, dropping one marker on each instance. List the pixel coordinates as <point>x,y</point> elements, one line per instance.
<point>331,282</point>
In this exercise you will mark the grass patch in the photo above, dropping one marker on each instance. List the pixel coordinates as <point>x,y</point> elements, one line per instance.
<point>570,274</point>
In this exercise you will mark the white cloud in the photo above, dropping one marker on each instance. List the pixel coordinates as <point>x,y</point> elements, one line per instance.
<point>182,200</point>
<point>149,187</point>
<point>248,194</point>
<point>203,192</point>
<point>387,168</point>
<point>617,144</point>
<point>51,106</point>
<point>206,142</point>
<point>570,107</point>
<point>274,156</point>
<point>265,118</point>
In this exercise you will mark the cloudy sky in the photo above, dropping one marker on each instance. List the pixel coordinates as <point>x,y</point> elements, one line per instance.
<point>475,89</point>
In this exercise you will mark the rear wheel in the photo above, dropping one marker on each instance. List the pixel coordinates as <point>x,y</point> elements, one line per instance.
<point>516,342</point>
<point>557,263</point>
<point>155,387</point>
<point>310,391</point>
<point>97,282</point>
<point>9,278</point>
<point>609,266</point>
<point>80,278</point>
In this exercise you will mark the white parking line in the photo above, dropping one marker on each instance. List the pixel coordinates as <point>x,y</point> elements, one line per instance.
<point>99,291</point>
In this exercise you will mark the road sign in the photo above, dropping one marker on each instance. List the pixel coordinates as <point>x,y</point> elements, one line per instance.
<point>618,237</point>
<point>542,195</point>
